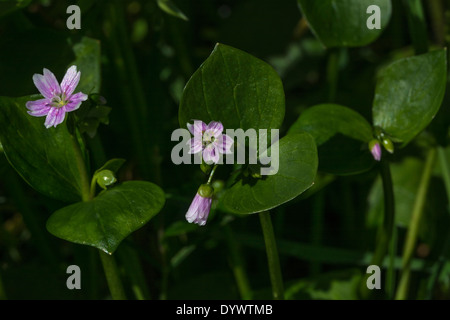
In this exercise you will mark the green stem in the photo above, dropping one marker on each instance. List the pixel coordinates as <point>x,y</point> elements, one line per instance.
<point>212,174</point>
<point>81,165</point>
<point>413,230</point>
<point>109,264</point>
<point>237,264</point>
<point>417,25</point>
<point>390,276</point>
<point>385,231</point>
<point>438,268</point>
<point>272,256</point>
<point>112,276</point>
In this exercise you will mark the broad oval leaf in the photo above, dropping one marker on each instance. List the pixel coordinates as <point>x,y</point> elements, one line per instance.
<point>341,135</point>
<point>296,173</point>
<point>343,23</point>
<point>110,217</point>
<point>323,121</point>
<point>87,53</point>
<point>235,88</point>
<point>45,158</point>
<point>409,93</point>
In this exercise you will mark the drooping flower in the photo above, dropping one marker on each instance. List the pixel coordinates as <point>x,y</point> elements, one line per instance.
<point>58,99</point>
<point>209,140</point>
<point>375,149</point>
<point>201,205</point>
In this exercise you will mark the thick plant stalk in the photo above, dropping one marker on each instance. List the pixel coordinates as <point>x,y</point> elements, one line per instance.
<point>112,276</point>
<point>273,260</point>
<point>386,229</point>
<point>413,230</point>
<point>108,261</point>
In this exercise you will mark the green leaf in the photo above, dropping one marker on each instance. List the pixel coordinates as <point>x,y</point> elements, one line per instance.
<point>235,88</point>
<point>110,217</point>
<point>87,53</point>
<point>343,23</point>
<point>169,7</point>
<point>114,165</point>
<point>296,172</point>
<point>323,121</point>
<point>342,136</point>
<point>45,158</point>
<point>338,285</point>
<point>409,93</point>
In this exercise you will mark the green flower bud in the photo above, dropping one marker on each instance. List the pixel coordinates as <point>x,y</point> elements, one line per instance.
<point>106,178</point>
<point>388,145</point>
<point>205,191</point>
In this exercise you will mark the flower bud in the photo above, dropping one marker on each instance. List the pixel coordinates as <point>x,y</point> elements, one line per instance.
<point>375,149</point>
<point>388,145</point>
<point>205,191</point>
<point>106,178</point>
<point>201,205</point>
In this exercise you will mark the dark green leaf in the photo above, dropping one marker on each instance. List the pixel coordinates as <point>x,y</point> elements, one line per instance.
<point>342,136</point>
<point>235,88</point>
<point>110,217</point>
<point>87,53</point>
<point>326,120</point>
<point>113,165</point>
<point>409,93</point>
<point>296,173</point>
<point>341,285</point>
<point>343,23</point>
<point>45,158</point>
<point>169,7</point>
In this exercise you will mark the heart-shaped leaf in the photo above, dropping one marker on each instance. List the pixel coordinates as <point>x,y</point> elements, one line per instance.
<point>110,217</point>
<point>343,23</point>
<point>409,93</point>
<point>45,158</point>
<point>235,88</point>
<point>297,167</point>
<point>341,135</point>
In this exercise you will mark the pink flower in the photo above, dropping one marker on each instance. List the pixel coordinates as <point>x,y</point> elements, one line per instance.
<point>209,140</point>
<point>58,99</point>
<point>201,205</point>
<point>375,149</point>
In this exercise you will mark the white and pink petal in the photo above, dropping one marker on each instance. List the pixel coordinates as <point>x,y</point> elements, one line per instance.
<point>70,81</point>
<point>211,154</point>
<point>38,108</point>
